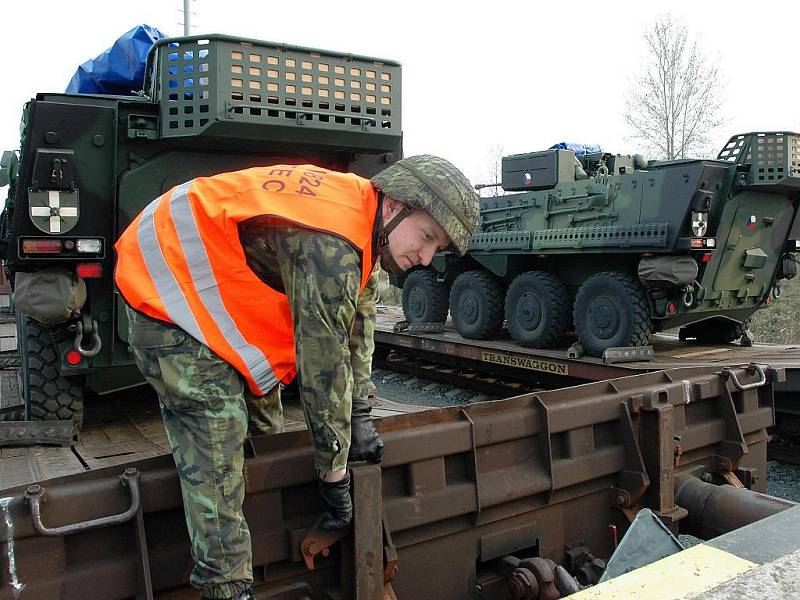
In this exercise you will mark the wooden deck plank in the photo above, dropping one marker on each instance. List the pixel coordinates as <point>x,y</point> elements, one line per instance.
<point>17,470</point>
<point>121,430</point>
<point>12,451</point>
<point>55,462</point>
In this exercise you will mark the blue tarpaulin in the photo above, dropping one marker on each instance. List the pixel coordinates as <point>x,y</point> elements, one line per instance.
<point>578,149</point>
<point>120,69</point>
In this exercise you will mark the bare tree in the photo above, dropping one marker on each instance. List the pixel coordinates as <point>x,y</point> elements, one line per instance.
<point>675,102</point>
<point>493,172</point>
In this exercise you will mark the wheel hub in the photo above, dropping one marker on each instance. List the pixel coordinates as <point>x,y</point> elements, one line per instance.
<point>529,312</point>
<point>604,318</point>
<point>469,308</point>
<point>417,303</point>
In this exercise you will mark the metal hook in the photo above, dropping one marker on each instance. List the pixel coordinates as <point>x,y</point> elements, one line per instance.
<point>87,326</point>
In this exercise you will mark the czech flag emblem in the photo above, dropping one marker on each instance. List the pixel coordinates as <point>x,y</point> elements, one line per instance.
<point>751,222</point>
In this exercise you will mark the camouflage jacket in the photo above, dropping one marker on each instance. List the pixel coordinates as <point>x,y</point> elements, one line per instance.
<point>334,324</point>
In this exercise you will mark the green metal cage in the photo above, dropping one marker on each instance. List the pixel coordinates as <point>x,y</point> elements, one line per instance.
<point>224,86</point>
<point>772,158</point>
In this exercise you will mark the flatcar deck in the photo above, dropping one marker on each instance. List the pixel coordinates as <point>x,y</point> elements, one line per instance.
<point>502,353</point>
<point>121,429</point>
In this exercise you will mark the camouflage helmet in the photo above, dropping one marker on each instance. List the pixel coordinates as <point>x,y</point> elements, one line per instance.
<point>436,186</point>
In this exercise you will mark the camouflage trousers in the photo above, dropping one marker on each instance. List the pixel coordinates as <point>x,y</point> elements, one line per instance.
<point>208,411</point>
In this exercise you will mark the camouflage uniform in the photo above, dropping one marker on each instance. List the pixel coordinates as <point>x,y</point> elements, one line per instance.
<point>208,409</point>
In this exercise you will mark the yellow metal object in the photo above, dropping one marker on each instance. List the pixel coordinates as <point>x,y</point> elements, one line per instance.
<point>681,575</point>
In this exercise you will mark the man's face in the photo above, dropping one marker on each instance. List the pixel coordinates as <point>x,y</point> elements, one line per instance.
<point>416,239</point>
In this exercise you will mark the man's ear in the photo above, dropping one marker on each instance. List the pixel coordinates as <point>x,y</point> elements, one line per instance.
<point>392,207</point>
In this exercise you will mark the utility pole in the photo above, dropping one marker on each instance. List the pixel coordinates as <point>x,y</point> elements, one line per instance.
<point>187,28</point>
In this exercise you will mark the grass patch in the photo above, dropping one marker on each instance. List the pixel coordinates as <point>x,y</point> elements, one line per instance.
<point>779,324</point>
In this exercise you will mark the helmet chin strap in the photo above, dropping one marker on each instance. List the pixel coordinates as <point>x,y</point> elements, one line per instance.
<point>388,263</point>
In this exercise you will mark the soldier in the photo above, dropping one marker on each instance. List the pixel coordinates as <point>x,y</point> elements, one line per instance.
<point>237,282</point>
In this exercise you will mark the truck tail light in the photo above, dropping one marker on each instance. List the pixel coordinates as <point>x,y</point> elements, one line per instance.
<point>89,270</point>
<point>698,243</point>
<point>41,246</point>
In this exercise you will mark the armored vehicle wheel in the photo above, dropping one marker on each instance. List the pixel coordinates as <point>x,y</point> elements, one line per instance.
<point>611,310</point>
<point>536,312</point>
<point>47,394</point>
<point>424,298</point>
<point>714,331</point>
<point>476,305</point>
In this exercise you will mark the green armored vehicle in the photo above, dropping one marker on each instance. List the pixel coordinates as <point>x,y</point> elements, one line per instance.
<point>616,249</point>
<point>89,163</point>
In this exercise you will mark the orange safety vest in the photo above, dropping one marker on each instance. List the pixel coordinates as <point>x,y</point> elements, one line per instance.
<point>181,260</point>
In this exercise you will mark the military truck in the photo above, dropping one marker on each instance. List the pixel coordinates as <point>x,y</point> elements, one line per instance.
<point>616,248</point>
<point>88,164</point>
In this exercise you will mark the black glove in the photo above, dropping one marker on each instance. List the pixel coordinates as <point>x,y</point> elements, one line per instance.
<point>365,443</point>
<point>337,503</point>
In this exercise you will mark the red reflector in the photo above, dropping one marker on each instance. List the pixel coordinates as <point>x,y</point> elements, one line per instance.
<point>707,257</point>
<point>74,357</point>
<point>671,308</point>
<point>41,246</point>
<point>89,270</point>
<point>768,301</point>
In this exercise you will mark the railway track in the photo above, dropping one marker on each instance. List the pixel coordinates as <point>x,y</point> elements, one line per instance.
<point>435,384</point>
<point>491,369</point>
<point>459,385</point>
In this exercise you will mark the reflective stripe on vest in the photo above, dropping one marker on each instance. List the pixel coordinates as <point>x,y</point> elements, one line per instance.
<point>194,250</point>
<point>181,260</point>
<point>171,294</point>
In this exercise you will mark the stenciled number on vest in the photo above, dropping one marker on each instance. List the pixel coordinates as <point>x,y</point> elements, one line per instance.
<point>309,180</point>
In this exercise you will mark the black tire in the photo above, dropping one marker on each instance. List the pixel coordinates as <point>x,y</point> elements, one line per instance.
<point>537,313</point>
<point>715,331</point>
<point>476,305</point>
<point>48,395</point>
<point>424,298</point>
<point>611,310</point>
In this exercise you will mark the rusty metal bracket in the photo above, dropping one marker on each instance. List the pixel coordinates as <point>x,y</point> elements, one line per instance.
<point>656,441</point>
<point>731,450</point>
<point>35,497</point>
<point>731,479</point>
<point>731,374</point>
<point>390,559</point>
<point>366,566</point>
<point>318,542</point>
<point>546,447</point>
<point>473,459</point>
<point>633,480</point>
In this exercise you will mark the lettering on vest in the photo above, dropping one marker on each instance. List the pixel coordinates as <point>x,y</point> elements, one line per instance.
<point>273,185</point>
<point>310,179</point>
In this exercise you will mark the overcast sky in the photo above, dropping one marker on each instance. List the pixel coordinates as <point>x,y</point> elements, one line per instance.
<point>477,76</point>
